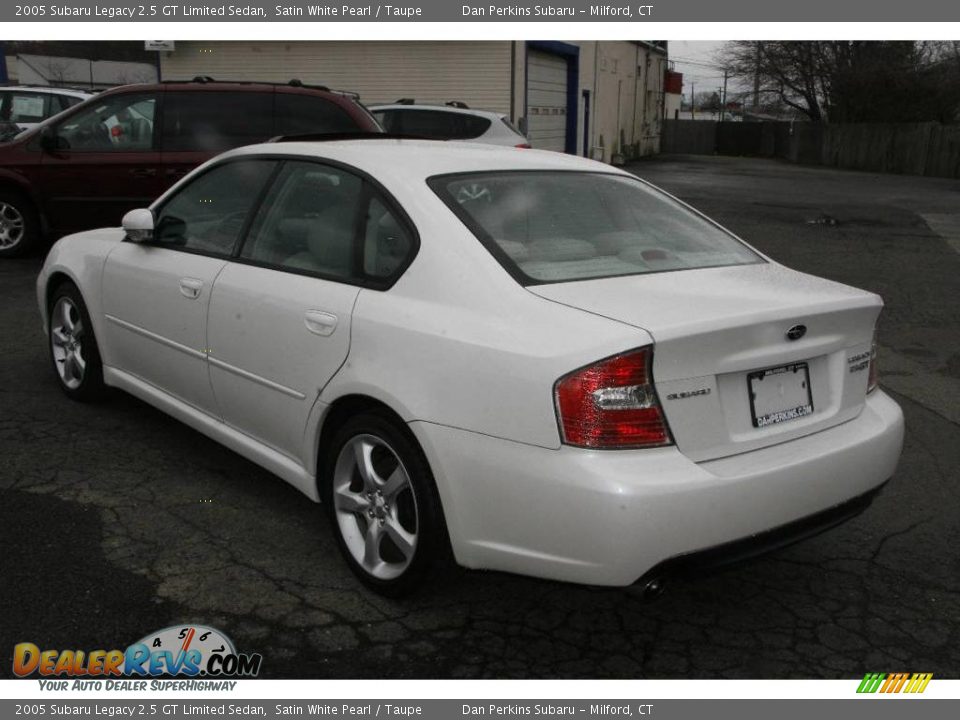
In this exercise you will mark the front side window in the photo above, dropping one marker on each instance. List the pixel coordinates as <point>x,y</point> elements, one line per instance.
<point>208,215</point>
<point>556,226</point>
<point>117,123</point>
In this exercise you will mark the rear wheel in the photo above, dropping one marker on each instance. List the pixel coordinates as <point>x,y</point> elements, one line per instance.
<point>19,225</point>
<point>383,504</point>
<point>73,347</point>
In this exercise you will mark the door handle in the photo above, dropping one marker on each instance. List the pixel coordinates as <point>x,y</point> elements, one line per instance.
<point>144,172</point>
<point>176,172</point>
<point>190,287</point>
<point>319,322</point>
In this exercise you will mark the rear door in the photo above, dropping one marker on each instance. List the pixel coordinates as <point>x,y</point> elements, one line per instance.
<point>156,295</point>
<point>281,312</point>
<point>105,163</point>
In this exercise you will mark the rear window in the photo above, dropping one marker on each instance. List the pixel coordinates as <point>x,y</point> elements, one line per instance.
<point>434,124</point>
<point>213,121</point>
<point>299,114</point>
<point>549,226</point>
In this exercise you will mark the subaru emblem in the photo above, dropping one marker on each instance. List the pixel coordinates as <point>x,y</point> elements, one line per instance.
<point>796,332</point>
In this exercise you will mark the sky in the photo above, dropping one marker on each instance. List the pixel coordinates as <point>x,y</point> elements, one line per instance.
<point>697,55</point>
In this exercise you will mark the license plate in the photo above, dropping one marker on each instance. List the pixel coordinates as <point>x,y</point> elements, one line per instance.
<point>779,394</point>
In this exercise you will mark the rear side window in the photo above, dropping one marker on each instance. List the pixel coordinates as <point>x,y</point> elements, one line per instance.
<point>435,124</point>
<point>308,221</point>
<point>68,101</point>
<point>27,107</point>
<point>208,215</point>
<point>549,226</point>
<point>298,114</point>
<point>325,220</point>
<point>212,121</point>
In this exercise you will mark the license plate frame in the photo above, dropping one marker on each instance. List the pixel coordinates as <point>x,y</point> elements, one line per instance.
<point>791,399</point>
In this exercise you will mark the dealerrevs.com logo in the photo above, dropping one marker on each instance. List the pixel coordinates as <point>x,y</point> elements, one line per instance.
<point>189,651</point>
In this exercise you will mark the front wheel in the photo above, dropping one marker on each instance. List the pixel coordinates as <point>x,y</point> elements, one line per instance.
<point>383,505</point>
<point>73,347</point>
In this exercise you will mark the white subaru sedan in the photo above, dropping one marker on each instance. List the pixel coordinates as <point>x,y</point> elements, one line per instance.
<point>517,360</point>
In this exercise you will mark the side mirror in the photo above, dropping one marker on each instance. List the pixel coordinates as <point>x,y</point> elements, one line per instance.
<point>138,225</point>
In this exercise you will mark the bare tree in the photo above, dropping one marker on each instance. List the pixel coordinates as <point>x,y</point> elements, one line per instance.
<point>851,81</point>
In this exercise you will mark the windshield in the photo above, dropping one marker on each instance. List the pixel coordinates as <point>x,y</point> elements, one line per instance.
<point>556,226</point>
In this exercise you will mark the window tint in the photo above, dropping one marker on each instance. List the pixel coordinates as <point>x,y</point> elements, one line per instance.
<point>208,214</point>
<point>387,244</point>
<point>557,226</point>
<point>118,123</point>
<point>435,124</point>
<point>297,114</point>
<point>212,121</point>
<point>308,221</point>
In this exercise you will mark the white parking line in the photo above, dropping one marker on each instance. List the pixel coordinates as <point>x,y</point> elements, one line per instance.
<point>946,225</point>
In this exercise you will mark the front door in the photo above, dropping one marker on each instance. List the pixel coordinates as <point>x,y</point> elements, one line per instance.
<point>105,163</point>
<point>156,295</point>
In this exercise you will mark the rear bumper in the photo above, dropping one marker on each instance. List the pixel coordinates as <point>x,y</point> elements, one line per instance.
<point>610,518</point>
<point>737,551</point>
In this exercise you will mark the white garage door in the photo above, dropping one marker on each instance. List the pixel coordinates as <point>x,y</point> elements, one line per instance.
<point>546,101</point>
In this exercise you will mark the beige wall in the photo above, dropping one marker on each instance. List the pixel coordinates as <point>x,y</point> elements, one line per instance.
<point>477,73</point>
<point>627,75</point>
<point>625,78</point>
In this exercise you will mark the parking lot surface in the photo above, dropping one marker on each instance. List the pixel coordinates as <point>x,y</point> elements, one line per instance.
<point>116,520</point>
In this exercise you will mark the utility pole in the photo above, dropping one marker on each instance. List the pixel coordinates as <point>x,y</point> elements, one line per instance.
<point>756,80</point>
<point>693,100</point>
<point>723,106</point>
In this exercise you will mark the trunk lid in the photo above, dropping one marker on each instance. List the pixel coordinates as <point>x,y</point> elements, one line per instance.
<point>714,328</point>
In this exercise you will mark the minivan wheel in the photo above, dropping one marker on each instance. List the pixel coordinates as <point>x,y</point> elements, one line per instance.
<point>19,225</point>
<point>383,504</point>
<point>73,347</point>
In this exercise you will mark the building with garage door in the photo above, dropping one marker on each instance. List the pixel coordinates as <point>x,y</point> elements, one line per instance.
<point>603,99</point>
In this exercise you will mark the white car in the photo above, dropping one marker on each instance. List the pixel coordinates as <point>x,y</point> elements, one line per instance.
<point>23,107</point>
<point>534,362</point>
<point>449,122</point>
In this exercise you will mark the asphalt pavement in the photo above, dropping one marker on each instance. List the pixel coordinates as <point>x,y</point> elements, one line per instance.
<point>116,520</point>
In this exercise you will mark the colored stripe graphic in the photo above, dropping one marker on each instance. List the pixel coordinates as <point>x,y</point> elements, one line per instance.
<point>894,683</point>
<point>870,683</point>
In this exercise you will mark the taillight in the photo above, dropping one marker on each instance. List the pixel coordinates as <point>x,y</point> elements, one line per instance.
<point>525,146</point>
<point>872,375</point>
<point>612,404</point>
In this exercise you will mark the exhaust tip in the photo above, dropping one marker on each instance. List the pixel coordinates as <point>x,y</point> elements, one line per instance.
<point>649,590</point>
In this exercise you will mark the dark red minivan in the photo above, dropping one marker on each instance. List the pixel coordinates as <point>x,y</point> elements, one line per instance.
<point>121,149</point>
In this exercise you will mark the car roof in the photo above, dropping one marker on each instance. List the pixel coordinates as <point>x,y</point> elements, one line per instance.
<point>442,108</point>
<point>49,90</point>
<point>406,159</point>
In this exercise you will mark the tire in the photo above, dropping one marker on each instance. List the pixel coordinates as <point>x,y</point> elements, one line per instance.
<point>383,505</point>
<point>74,353</point>
<point>19,225</point>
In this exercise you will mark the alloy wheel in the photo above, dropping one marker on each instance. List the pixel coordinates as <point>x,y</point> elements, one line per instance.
<point>66,337</point>
<point>12,225</point>
<point>376,508</point>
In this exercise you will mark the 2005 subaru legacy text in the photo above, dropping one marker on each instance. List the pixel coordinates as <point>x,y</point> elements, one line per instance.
<point>522,360</point>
